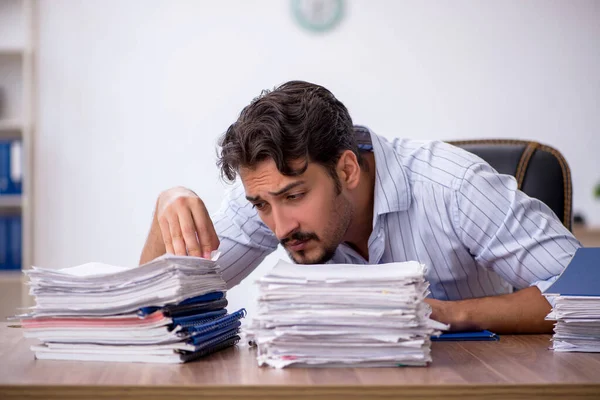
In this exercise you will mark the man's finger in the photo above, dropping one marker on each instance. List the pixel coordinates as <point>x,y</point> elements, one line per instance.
<point>188,229</point>
<point>176,235</point>
<point>166,234</point>
<point>206,231</point>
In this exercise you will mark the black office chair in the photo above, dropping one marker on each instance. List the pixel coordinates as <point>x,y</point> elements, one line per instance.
<point>541,171</point>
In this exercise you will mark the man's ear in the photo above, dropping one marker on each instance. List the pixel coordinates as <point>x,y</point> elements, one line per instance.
<point>348,170</point>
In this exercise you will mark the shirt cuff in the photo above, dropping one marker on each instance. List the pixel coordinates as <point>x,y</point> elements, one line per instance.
<point>543,285</point>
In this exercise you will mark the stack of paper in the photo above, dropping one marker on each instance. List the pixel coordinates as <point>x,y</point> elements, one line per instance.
<point>169,310</point>
<point>576,298</point>
<point>343,315</point>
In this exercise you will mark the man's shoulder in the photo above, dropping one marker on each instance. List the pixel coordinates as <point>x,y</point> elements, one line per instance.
<point>434,161</point>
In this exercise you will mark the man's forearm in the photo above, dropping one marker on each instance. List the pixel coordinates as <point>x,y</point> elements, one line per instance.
<point>520,312</point>
<point>154,246</point>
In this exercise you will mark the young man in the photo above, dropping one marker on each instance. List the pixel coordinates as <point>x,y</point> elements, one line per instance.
<point>331,192</point>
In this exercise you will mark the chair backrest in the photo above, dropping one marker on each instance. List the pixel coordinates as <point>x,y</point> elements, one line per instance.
<point>541,171</point>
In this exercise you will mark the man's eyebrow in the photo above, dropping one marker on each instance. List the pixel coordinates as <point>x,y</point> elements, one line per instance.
<point>279,192</point>
<point>287,188</point>
<point>253,199</point>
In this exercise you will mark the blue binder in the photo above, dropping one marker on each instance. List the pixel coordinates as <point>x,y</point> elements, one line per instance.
<point>218,323</point>
<point>207,302</point>
<point>10,172</point>
<point>5,186</point>
<point>581,277</point>
<point>15,242</point>
<point>200,318</point>
<point>203,322</point>
<point>4,244</point>
<point>213,336</point>
<point>232,328</point>
<point>10,242</point>
<point>205,351</point>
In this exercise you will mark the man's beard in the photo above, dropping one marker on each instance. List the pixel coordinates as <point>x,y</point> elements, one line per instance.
<point>333,235</point>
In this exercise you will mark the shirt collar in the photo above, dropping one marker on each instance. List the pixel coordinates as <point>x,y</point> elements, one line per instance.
<point>392,188</point>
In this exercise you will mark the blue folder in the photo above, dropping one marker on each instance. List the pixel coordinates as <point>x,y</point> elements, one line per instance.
<point>467,336</point>
<point>203,352</point>
<point>203,322</point>
<point>199,318</point>
<point>217,323</point>
<point>209,337</point>
<point>191,306</point>
<point>582,275</point>
<point>225,331</point>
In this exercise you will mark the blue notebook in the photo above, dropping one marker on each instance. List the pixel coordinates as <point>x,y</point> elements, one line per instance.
<point>199,318</point>
<point>199,339</point>
<point>203,352</point>
<point>209,336</point>
<point>467,336</point>
<point>581,277</point>
<point>206,302</point>
<point>207,342</point>
<point>201,328</point>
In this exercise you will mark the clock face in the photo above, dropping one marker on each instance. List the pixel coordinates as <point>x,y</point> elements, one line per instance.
<point>318,15</point>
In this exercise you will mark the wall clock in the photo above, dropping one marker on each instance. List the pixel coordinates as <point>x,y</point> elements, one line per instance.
<point>318,15</point>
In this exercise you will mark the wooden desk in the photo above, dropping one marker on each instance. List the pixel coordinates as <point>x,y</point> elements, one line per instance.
<point>516,366</point>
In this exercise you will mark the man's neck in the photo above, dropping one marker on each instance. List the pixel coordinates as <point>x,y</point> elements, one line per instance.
<point>361,227</point>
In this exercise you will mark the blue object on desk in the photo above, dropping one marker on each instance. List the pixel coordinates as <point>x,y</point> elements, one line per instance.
<point>582,275</point>
<point>200,301</point>
<point>467,336</point>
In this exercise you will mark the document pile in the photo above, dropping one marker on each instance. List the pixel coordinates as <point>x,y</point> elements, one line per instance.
<point>170,310</point>
<point>343,315</point>
<point>576,297</point>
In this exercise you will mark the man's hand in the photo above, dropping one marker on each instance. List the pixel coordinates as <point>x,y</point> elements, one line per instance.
<point>181,226</point>
<point>520,312</point>
<point>448,313</point>
<point>185,224</point>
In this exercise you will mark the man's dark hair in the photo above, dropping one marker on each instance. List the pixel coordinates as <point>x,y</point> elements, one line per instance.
<point>295,121</point>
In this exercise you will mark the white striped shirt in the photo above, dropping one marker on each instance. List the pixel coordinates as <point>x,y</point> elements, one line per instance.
<point>435,203</point>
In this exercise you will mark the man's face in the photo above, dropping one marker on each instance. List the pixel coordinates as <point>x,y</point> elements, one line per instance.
<point>306,214</point>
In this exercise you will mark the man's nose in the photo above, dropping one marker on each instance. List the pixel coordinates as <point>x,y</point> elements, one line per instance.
<point>284,224</point>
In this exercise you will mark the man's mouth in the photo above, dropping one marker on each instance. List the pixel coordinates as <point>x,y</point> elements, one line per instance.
<point>297,245</point>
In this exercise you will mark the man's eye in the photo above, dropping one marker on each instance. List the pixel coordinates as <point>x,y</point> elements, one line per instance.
<point>259,206</point>
<point>296,196</point>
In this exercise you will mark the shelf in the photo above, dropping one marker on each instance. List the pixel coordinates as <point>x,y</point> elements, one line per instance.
<point>10,125</point>
<point>18,36</point>
<point>10,201</point>
<point>10,129</point>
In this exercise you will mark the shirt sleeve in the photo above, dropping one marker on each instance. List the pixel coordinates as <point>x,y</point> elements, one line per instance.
<point>517,236</point>
<point>244,239</point>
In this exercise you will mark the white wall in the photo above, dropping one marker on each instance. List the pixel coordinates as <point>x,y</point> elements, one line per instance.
<point>134,94</point>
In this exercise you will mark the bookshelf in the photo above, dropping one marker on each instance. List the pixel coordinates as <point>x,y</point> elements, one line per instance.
<point>8,127</point>
<point>16,111</point>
